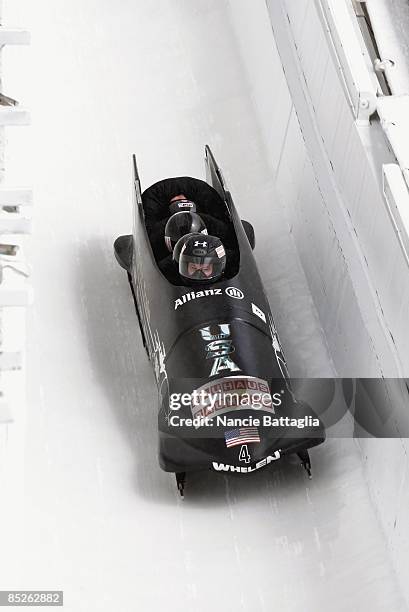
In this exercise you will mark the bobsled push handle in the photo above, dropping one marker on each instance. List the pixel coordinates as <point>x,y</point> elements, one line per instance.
<point>214,175</point>
<point>137,183</point>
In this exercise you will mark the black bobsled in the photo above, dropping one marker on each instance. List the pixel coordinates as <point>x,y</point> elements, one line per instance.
<point>225,399</point>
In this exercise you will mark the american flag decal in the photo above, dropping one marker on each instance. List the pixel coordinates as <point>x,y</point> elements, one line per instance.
<point>241,435</point>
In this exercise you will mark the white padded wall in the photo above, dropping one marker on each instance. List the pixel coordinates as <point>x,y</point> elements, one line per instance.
<point>338,281</point>
<point>350,181</point>
<point>332,194</point>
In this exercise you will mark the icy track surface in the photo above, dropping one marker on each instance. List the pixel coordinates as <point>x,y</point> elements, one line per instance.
<point>85,507</point>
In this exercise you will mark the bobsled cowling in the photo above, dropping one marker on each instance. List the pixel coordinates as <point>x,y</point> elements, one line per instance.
<point>225,376</point>
<point>203,336</point>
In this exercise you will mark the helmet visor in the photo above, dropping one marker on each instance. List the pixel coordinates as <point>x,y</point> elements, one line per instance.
<point>200,268</point>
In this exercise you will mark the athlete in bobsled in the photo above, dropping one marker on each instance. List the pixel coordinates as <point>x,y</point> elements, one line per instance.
<point>195,259</point>
<point>203,255</point>
<point>210,331</point>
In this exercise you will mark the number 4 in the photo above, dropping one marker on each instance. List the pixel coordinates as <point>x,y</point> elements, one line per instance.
<point>244,454</point>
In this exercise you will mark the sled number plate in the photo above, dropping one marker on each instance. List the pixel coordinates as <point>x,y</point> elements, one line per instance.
<point>244,454</point>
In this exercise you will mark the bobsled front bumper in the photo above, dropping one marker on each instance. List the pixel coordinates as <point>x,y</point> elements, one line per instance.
<point>187,455</point>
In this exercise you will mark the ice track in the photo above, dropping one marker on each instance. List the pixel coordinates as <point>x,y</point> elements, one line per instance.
<point>92,513</point>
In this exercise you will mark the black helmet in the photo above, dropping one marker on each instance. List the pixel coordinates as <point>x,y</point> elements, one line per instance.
<point>202,258</point>
<point>178,247</point>
<point>182,205</point>
<point>180,224</point>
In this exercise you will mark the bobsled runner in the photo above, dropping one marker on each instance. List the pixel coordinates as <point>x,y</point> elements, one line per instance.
<point>225,397</point>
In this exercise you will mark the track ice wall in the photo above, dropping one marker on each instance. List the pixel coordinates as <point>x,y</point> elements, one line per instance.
<point>328,173</point>
<point>352,259</point>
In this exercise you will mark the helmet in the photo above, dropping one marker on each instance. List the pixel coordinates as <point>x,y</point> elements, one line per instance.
<point>202,258</point>
<point>179,246</point>
<point>180,224</point>
<point>181,205</point>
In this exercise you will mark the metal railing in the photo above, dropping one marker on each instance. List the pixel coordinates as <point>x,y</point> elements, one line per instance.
<point>357,73</point>
<point>15,224</point>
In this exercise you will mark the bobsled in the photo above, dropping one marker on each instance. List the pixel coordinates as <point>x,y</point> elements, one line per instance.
<point>225,401</point>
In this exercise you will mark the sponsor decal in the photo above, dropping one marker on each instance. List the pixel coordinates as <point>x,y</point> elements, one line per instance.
<point>258,312</point>
<point>235,293</point>
<point>203,244</point>
<point>233,393</point>
<point>220,251</point>
<point>219,348</point>
<point>193,295</point>
<point>185,204</point>
<point>241,435</point>
<point>223,467</point>
<point>182,205</point>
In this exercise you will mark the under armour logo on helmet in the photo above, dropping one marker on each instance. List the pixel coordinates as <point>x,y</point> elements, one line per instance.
<point>204,244</point>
